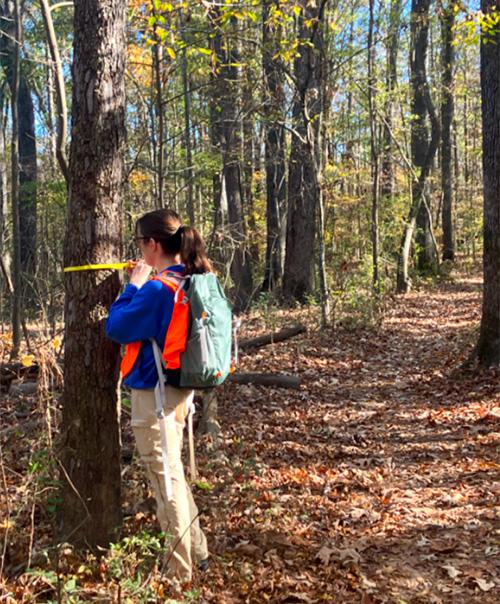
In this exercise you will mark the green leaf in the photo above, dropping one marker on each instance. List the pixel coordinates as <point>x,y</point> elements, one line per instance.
<point>205,486</point>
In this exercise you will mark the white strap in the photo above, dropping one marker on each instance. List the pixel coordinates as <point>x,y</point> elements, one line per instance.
<point>192,462</point>
<point>159,402</point>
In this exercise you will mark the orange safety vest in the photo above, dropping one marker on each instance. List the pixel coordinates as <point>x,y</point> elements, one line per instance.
<point>175,338</point>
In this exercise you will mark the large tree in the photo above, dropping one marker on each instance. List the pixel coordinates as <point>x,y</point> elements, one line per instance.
<point>488,348</point>
<point>90,449</point>
<point>303,175</point>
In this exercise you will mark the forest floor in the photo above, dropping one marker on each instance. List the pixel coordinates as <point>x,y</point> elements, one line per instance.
<point>378,481</point>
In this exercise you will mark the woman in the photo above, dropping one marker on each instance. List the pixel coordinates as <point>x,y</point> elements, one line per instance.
<point>144,311</point>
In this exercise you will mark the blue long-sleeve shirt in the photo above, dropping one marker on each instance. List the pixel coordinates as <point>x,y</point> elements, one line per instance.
<point>140,314</point>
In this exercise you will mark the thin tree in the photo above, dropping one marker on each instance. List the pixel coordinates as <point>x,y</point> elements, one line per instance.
<point>392,44</point>
<point>374,147</point>
<point>90,512</point>
<point>275,162</point>
<point>488,347</point>
<point>56,68</point>
<point>447,110</point>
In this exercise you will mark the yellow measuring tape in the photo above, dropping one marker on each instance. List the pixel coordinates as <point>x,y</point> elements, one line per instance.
<point>97,267</point>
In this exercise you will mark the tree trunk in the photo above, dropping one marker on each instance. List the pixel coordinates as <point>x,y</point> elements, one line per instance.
<point>423,150</point>
<point>3,175</point>
<point>227,76</point>
<point>420,131</point>
<point>14,31</point>
<point>447,108</point>
<point>157,51</point>
<point>56,68</point>
<point>274,100</point>
<point>303,177</point>
<point>27,184</point>
<point>187,137</point>
<point>26,148</point>
<point>90,445</point>
<point>374,149</point>
<point>488,348</point>
<point>387,176</point>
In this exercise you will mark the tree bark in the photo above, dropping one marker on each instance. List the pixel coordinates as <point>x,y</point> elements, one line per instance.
<point>90,513</point>
<point>14,31</point>
<point>447,110</point>
<point>488,348</point>
<point>303,176</point>
<point>374,149</point>
<point>56,68</point>
<point>27,185</point>
<point>275,163</point>
<point>387,176</point>
<point>423,149</point>
<point>26,146</point>
<point>227,78</point>
<point>420,130</point>
<point>187,133</point>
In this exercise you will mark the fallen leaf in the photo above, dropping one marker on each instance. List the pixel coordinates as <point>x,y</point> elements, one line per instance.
<point>484,585</point>
<point>451,570</point>
<point>324,554</point>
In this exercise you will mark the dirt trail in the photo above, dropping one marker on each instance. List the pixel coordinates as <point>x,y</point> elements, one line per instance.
<point>378,481</point>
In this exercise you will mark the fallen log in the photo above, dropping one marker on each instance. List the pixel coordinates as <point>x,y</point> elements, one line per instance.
<point>266,379</point>
<point>15,371</point>
<point>279,336</point>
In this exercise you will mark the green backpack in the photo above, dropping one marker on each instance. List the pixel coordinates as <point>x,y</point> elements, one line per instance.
<point>206,362</point>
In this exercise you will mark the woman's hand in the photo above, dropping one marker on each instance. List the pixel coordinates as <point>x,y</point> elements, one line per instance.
<point>139,273</point>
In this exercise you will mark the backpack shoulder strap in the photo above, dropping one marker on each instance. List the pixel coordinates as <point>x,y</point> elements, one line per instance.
<point>168,281</point>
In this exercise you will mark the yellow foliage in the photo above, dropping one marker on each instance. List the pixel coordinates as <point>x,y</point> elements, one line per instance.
<point>27,360</point>
<point>137,180</point>
<point>139,63</point>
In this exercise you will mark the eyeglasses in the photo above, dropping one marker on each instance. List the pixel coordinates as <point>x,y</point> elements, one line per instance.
<point>137,239</point>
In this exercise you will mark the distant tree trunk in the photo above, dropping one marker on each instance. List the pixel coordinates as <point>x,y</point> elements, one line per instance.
<point>187,140</point>
<point>90,446</point>
<point>374,149</point>
<point>488,348</point>
<point>27,183</point>
<point>303,177</point>
<point>387,176</point>
<point>27,150</point>
<point>3,174</point>
<point>14,31</point>
<point>157,50</point>
<point>420,131</point>
<point>275,163</point>
<point>247,159</point>
<point>227,77</point>
<point>447,109</point>
<point>423,150</point>
<point>56,68</point>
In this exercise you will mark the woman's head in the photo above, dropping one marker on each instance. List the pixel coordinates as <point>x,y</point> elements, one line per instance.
<point>165,227</point>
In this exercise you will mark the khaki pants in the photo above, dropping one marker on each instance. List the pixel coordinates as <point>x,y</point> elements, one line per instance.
<point>175,516</point>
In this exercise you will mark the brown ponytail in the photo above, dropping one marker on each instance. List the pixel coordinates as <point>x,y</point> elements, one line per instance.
<point>165,226</point>
<point>193,252</point>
